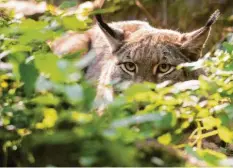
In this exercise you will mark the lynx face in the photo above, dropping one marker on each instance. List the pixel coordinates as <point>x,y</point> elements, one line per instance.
<point>150,58</point>
<point>138,52</point>
<point>153,54</point>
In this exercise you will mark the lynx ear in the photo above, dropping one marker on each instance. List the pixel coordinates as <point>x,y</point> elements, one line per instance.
<point>193,42</point>
<point>114,36</point>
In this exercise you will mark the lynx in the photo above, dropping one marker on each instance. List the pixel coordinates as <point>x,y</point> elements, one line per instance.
<point>134,51</point>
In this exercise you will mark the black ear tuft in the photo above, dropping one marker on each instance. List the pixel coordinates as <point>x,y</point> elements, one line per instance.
<point>114,36</point>
<point>104,26</point>
<point>213,18</point>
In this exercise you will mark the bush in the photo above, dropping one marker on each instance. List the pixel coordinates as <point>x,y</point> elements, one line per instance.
<point>48,119</point>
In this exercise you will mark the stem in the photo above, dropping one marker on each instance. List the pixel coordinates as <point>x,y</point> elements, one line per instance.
<point>199,134</point>
<point>148,15</point>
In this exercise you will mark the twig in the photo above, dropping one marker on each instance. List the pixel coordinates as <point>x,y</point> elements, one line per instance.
<point>148,15</point>
<point>98,4</point>
<point>165,13</point>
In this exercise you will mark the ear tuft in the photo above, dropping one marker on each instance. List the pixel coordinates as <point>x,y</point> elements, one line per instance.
<point>195,41</point>
<point>114,36</point>
<point>104,26</point>
<point>213,18</point>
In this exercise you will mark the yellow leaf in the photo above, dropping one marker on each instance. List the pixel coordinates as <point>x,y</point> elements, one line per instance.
<point>50,118</point>
<point>225,134</point>
<point>52,9</point>
<point>4,77</point>
<point>211,152</point>
<point>4,85</point>
<point>165,139</point>
<point>81,117</point>
<point>23,131</point>
<point>211,122</point>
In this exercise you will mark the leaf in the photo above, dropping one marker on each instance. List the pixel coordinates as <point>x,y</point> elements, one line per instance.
<point>225,134</point>
<point>136,89</point>
<point>225,120</point>
<point>47,63</point>
<point>229,111</point>
<point>72,23</point>
<point>48,99</point>
<point>50,118</point>
<point>74,93</point>
<point>29,75</point>
<point>20,48</point>
<point>192,152</point>
<point>228,47</point>
<point>229,67</point>
<point>30,36</point>
<point>30,24</point>
<point>165,139</point>
<point>82,117</point>
<point>211,122</point>
<point>59,70</point>
<point>161,120</point>
<point>16,59</point>
<point>68,4</point>
<point>210,156</point>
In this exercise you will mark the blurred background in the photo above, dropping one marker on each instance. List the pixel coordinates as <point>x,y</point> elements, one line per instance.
<point>181,15</point>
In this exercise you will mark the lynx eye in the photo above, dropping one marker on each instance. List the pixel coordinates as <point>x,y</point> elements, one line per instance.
<point>163,68</point>
<point>129,67</point>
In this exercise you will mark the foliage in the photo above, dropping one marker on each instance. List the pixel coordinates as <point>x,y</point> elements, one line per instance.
<point>48,118</point>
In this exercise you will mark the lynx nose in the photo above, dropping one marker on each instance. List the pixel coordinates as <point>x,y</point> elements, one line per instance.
<point>141,79</point>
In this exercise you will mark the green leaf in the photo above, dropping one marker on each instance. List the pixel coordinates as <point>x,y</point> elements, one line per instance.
<point>68,4</point>
<point>48,99</point>
<point>32,35</point>
<point>161,120</point>
<point>20,48</point>
<point>16,59</point>
<point>72,23</point>
<point>61,137</point>
<point>229,111</point>
<point>192,152</point>
<point>228,47</point>
<point>30,24</point>
<point>210,156</point>
<point>29,75</point>
<point>59,70</point>
<point>74,93</point>
<point>136,89</point>
<point>47,63</point>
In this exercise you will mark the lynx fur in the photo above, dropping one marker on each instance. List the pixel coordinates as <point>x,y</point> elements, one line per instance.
<point>134,51</point>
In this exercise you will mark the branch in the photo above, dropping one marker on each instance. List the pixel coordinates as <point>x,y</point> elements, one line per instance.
<point>148,15</point>
<point>98,4</point>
